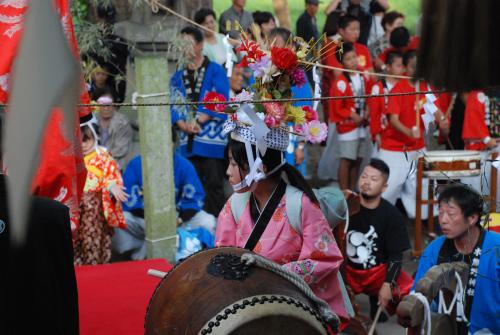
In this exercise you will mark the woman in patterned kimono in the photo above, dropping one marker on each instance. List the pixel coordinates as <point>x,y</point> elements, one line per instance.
<point>101,208</point>
<point>263,223</point>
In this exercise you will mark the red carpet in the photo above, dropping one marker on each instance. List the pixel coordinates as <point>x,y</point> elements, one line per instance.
<point>113,298</point>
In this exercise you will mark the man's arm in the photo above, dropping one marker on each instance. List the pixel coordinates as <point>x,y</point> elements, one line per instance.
<point>396,123</point>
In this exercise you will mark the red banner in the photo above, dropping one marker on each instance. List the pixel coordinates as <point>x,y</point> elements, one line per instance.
<point>61,174</point>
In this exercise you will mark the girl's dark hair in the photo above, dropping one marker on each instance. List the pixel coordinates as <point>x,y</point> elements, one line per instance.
<point>87,133</point>
<point>390,17</point>
<point>271,160</point>
<point>202,13</point>
<point>262,17</point>
<point>469,201</point>
<point>346,47</point>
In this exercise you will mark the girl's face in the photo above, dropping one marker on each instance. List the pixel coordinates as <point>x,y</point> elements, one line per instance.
<point>88,143</point>
<point>234,172</point>
<point>210,24</point>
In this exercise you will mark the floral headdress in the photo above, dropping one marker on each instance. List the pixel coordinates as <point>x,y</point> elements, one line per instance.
<point>268,124</point>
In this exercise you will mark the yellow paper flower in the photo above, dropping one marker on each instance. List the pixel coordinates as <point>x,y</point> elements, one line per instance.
<point>295,115</point>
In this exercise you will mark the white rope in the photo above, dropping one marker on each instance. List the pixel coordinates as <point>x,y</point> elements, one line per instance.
<point>458,299</point>
<point>161,239</point>
<point>136,96</point>
<point>323,307</point>
<point>427,313</point>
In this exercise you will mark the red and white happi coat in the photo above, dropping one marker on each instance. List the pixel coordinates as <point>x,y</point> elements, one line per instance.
<point>61,173</point>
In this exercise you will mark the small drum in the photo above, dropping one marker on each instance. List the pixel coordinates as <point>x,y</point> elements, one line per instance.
<point>444,164</point>
<point>214,292</point>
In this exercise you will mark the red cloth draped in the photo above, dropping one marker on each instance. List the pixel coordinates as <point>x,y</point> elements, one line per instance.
<point>370,281</point>
<point>61,173</point>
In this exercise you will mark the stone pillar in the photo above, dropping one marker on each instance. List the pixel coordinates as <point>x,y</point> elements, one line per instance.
<point>157,158</point>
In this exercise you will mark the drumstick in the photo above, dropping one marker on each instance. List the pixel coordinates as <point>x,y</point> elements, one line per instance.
<point>375,320</point>
<point>156,273</point>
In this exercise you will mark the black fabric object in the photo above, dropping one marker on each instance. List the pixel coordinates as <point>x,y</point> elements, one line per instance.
<point>265,216</point>
<point>457,125</point>
<point>376,236</point>
<point>394,265</point>
<point>187,214</point>
<point>212,173</point>
<point>193,80</point>
<point>306,27</point>
<point>38,292</point>
<point>449,254</point>
<point>460,44</point>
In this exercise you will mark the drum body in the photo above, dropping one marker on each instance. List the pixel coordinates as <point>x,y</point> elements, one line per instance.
<point>213,292</point>
<point>444,164</point>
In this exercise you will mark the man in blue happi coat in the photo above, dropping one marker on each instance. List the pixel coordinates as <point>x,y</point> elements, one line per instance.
<point>464,240</point>
<point>201,137</point>
<point>193,221</point>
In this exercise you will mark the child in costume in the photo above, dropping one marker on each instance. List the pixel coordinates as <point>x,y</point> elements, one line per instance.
<point>100,208</point>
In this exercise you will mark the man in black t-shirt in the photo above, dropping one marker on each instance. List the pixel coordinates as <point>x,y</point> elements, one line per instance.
<point>375,242</point>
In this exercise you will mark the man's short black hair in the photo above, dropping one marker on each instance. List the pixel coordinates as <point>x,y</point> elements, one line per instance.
<point>202,13</point>
<point>346,47</point>
<point>381,166</point>
<point>400,37</point>
<point>260,17</point>
<point>345,20</point>
<point>392,56</point>
<point>283,32</point>
<point>469,201</point>
<point>194,32</point>
<point>408,56</point>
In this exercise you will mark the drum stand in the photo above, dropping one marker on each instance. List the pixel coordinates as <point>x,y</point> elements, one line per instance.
<point>492,198</point>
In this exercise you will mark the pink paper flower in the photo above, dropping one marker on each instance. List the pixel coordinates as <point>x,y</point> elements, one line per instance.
<point>275,113</point>
<point>311,114</point>
<point>315,131</point>
<point>299,76</point>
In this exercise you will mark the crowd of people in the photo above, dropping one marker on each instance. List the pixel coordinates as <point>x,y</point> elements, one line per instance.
<point>376,141</point>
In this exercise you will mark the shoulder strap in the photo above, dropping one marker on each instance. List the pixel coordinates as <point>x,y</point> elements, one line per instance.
<point>293,197</point>
<point>238,203</point>
<point>294,207</point>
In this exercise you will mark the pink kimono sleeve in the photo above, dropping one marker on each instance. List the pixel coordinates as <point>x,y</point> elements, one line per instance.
<point>319,256</point>
<point>225,234</point>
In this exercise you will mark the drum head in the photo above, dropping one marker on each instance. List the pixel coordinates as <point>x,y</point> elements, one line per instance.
<point>213,292</point>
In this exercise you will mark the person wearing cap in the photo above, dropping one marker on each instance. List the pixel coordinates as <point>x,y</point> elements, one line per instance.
<point>256,217</point>
<point>101,205</point>
<point>306,26</point>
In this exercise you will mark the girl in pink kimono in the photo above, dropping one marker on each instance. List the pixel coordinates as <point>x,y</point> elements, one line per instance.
<point>312,252</point>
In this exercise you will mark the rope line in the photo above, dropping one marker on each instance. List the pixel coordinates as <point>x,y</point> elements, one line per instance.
<point>196,103</point>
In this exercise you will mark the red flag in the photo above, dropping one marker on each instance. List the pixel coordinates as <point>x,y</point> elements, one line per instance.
<point>61,174</point>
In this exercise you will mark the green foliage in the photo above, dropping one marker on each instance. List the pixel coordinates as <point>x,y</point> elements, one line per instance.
<point>410,8</point>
